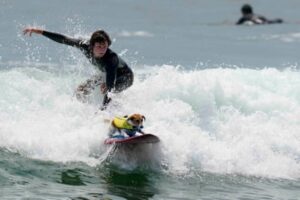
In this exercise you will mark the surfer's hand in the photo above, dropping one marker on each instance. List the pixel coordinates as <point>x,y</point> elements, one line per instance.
<point>103,88</point>
<point>29,31</point>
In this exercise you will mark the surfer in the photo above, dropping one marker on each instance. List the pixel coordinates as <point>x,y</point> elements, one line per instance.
<point>250,18</point>
<point>114,74</point>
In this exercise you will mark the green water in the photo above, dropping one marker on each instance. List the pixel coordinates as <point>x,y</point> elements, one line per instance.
<point>25,178</point>
<point>223,99</point>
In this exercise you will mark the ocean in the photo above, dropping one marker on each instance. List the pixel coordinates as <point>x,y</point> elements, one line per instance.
<point>223,99</point>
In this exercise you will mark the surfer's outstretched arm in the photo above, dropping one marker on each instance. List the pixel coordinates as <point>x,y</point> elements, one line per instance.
<point>54,36</point>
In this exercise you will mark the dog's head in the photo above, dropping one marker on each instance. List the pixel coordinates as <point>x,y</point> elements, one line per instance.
<point>136,120</point>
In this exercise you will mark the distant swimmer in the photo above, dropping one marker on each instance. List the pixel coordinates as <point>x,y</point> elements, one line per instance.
<point>249,18</point>
<point>114,74</point>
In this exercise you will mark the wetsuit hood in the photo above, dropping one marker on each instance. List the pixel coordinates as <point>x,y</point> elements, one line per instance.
<point>246,9</point>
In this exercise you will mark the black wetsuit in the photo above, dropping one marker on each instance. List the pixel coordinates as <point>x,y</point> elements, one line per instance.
<point>257,19</point>
<point>118,75</point>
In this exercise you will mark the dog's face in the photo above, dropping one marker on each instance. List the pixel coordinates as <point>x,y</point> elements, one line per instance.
<point>136,120</point>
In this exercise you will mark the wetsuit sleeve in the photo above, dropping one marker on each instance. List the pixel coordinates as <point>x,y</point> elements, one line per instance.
<point>263,19</point>
<point>63,39</point>
<point>111,72</point>
<point>241,21</point>
<point>275,21</point>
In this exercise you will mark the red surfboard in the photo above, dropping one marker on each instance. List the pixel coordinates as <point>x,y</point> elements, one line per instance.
<point>146,138</point>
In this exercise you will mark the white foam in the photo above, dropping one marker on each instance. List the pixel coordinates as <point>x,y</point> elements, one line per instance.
<point>219,120</point>
<point>135,34</point>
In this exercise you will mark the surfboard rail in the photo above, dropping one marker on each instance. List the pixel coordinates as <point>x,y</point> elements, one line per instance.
<point>140,139</point>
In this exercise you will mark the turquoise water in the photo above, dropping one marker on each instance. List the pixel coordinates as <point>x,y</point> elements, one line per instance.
<point>223,99</point>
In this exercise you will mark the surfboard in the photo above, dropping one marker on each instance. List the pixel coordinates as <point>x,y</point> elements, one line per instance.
<point>141,139</point>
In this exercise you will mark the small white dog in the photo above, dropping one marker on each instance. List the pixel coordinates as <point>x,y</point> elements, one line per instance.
<point>122,126</point>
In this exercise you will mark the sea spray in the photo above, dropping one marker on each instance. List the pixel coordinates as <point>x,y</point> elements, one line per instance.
<point>219,120</point>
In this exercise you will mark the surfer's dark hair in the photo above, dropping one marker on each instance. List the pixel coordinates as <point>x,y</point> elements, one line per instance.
<point>100,36</point>
<point>246,9</point>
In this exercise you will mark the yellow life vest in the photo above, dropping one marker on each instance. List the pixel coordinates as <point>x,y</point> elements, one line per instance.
<point>121,123</point>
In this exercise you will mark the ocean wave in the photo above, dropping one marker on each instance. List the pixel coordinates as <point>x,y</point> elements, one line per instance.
<point>221,120</point>
<point>135,34</point>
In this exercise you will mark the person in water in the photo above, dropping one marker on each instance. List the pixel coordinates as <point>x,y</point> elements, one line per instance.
<point>115,75</point>
<point>250,18</point>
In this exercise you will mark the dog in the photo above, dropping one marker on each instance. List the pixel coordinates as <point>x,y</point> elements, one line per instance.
<point>127,126</point>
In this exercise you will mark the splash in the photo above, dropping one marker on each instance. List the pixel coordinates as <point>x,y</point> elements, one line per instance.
<point>218,120</point>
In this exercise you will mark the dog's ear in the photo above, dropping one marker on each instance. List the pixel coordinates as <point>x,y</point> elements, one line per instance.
<point>143,117</point>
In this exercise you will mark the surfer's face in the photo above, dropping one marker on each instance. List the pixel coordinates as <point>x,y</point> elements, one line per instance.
<point>99,49</point>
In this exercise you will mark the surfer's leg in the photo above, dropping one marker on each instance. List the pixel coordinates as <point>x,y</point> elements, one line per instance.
<point>106,100</point>
<point>123,82</point>
<point>86,88</point>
